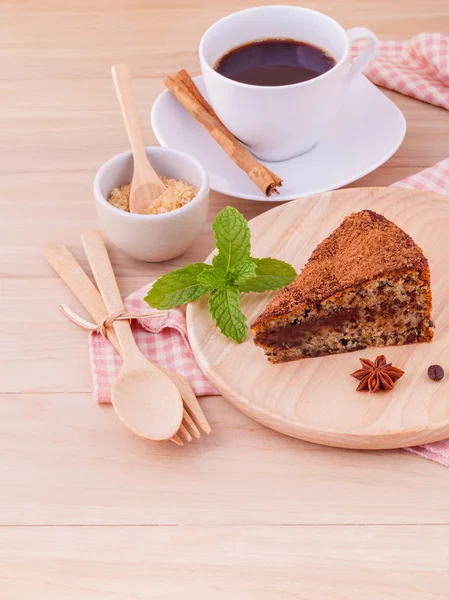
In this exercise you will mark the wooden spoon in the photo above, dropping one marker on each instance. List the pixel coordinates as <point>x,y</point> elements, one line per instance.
<point>144,397</point>
<point>72,274</point>
<point>146,185</point>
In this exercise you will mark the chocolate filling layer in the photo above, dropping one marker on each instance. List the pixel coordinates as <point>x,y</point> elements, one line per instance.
<point>295,333</point>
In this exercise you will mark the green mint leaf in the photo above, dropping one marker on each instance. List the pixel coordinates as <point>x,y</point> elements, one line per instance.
<point>178,287</point>
<point>224,307</point>
<point>271,274</point>
<point>232,238</point>
<point>244,271</point>
<point>215,278</point>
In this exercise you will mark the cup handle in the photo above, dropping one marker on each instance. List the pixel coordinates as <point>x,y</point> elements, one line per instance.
<point>360,33</point>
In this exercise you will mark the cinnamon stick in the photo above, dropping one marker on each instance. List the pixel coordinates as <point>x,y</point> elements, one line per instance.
<point>186,92</point>
<point>183,77</point>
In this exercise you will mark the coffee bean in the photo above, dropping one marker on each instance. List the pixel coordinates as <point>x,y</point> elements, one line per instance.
<point>435,372</point>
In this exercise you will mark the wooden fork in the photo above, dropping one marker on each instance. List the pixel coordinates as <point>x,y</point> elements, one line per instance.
<point>72,274</point>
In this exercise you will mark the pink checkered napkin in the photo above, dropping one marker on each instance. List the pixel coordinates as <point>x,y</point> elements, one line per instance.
<point>433,179</point>
<point>418,67</point>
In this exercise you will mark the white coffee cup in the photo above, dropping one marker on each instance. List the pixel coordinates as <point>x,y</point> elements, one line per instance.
<point>277,123</point>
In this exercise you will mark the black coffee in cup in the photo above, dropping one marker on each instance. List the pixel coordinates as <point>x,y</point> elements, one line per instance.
<point>274,62</point>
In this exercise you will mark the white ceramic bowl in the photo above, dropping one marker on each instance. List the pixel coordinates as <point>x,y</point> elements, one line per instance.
<point>152,238</point>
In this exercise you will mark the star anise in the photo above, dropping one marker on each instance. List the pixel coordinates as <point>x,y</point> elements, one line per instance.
<point>377,375</point>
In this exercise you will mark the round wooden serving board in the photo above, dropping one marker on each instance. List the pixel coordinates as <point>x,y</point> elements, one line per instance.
<point>315,399</point>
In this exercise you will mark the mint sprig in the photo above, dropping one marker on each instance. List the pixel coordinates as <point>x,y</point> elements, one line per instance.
<point>232,272</point>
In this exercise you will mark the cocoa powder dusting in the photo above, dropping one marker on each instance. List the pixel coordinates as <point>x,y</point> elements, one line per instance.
<point>365,246</point>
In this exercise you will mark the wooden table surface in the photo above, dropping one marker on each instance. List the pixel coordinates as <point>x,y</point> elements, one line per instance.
<point>86,509</point>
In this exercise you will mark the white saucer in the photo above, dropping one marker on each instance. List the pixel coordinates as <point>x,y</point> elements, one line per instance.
<point>367,131</point>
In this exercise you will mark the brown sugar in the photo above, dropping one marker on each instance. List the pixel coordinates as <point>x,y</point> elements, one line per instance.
<point>177,193</point>
<point>119,197</point>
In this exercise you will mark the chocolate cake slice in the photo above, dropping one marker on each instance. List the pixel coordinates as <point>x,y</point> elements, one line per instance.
<point>367,284</point>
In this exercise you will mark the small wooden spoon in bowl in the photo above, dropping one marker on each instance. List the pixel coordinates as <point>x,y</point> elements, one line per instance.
<point>146,185</point>
<point>143,396</point>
